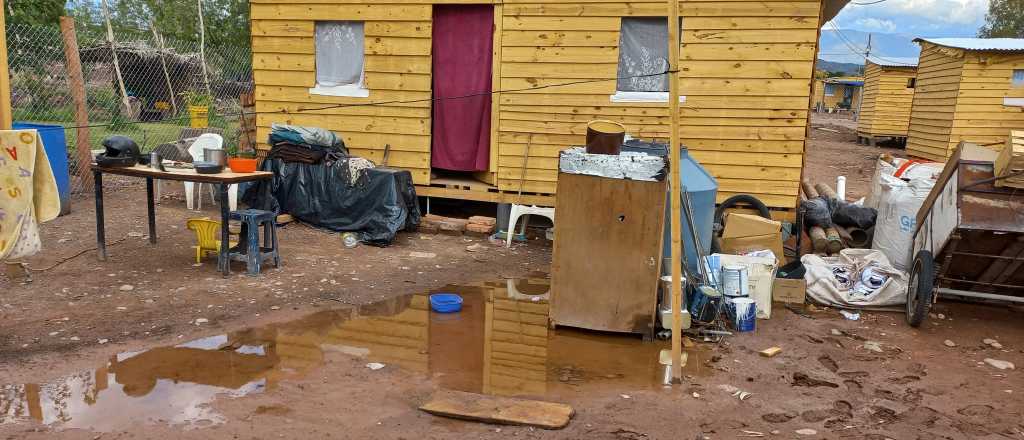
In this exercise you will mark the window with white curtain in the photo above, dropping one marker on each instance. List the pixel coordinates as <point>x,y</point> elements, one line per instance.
<point>1018,78</point>
<point>340,54</point>
<point>643,56</point>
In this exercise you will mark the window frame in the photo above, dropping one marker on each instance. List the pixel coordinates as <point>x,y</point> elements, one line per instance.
<point>912,83</point>
<point>1017,78</point>
<point>354,90</point>
<point>622,96</point>
<point>829,89</point>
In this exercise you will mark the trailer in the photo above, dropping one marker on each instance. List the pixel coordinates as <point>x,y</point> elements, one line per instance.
<point>969,236</point>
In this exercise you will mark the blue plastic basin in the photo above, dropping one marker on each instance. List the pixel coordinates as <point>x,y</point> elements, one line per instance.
<point>445,302</point>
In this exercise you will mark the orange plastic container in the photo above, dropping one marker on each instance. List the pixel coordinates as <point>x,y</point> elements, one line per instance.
<point>242,164</point>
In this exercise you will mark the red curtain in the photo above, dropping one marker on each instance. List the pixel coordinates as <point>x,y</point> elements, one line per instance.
<point>462,53</point>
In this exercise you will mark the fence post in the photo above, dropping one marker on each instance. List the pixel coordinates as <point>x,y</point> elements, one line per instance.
<point>202,46</point>
<point>163,63</point>
<point>117,65</point>
<point>76,82</point>
<point>6,117</point>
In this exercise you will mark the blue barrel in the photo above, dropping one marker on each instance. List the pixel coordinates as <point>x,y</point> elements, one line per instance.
<point>703,188</point>
<point>57,152</point>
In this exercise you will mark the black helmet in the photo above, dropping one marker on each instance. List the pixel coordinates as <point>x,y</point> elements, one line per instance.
<point>121,151</point>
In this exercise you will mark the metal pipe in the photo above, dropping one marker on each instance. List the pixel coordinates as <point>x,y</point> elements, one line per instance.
<point>970,294</point>
<point>1005,286</point>
<point>841,188</point>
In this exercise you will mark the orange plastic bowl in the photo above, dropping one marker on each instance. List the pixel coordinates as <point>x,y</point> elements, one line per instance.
<point>242,164</point>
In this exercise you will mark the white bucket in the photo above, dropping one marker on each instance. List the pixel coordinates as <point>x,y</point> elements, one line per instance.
<point>735,281</point>
<point>745,315</point>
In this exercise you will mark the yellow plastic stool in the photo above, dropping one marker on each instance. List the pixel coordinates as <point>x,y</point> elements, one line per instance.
<point>207,232</point>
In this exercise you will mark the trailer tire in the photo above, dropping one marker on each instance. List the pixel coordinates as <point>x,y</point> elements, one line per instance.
<point>921,288</point>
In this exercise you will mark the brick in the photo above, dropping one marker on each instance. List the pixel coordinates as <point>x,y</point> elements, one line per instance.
<point>480,220</point>
<point>428,228</point>
<point>447,225</point>
<point>480,229</point>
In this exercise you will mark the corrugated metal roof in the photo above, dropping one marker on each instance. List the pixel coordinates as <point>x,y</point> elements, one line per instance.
<point>893,61</point>
<point>1002,44</point>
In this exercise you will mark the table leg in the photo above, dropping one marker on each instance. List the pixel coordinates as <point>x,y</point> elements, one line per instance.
<point>222,259</point>
<point>151,210</point>
<point>101,239</point>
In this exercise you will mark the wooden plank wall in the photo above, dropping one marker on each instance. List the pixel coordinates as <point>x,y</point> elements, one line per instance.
<point>887,101</point>
<point>397,68</point>
<point>931,118</point>
<point>745,71</point>
<point>981,117</point>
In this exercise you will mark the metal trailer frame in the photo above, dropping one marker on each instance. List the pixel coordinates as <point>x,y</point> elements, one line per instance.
<point>968,238</point>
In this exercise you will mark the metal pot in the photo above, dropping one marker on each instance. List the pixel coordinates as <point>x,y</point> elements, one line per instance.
<point>215,155</point>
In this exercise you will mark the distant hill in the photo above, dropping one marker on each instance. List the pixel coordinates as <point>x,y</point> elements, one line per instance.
<point>834,48</point>
<point>851,69</point>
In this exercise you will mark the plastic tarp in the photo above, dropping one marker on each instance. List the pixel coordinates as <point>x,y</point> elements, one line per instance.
<point>856,278</point>
<point>381,202</point>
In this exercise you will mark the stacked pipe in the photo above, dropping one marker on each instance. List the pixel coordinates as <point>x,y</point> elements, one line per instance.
<point>830,237</point>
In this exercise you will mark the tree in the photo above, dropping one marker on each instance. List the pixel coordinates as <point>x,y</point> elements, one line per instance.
<point>34,12</point>
<point>1005,19</point>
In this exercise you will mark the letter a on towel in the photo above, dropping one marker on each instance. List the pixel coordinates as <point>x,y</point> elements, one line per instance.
<point>28,193</point>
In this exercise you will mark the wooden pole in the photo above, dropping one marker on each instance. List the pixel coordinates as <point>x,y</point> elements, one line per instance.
<point>202,47</point>
<point>676,195</point>
<point>76,81</point>
<point>117,64</point>
<point>6,118</point>
<point>163,63</point>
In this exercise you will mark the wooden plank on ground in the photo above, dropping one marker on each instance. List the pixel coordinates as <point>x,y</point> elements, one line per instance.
<point>499,410</point>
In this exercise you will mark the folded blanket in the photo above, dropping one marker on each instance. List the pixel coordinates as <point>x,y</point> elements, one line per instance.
<point>28,193</point>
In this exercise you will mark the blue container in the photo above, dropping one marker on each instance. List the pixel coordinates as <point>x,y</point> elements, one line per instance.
<point>57,152</point>
<point>445,302</point>
<point>703,188</point>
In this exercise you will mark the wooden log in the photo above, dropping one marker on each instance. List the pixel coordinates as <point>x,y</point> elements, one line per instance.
<point>835,242</point>
<point>809,190</point>
<point>825,190</point>
<point>818,239</point>
<point>76,82</point>
<point>117,63</point>
<point>854,237</point>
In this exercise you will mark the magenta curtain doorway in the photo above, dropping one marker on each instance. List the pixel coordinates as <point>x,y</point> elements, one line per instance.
<point>462,54</point>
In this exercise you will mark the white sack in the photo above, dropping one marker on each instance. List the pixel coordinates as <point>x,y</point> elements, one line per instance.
<point>823,286</point>
<point>898,203</point>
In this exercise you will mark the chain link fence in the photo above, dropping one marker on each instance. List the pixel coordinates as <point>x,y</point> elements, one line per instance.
<point>161,79</point>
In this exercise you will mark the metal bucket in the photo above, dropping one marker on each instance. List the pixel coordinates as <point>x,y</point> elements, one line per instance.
<point>605,137</point>
<point>215,155</point>
<point>735,281</point>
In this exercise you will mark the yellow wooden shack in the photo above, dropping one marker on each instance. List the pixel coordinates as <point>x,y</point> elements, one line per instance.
<point>745,73</point>
<point>837,94</point>
<point>968,89</point>
<point>889,85</point>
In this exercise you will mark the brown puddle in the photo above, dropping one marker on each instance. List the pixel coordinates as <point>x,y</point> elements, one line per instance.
<point>498,344</point>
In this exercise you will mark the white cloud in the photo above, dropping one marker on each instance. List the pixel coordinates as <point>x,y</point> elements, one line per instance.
<point>962,12</point>
<point>876,24</point>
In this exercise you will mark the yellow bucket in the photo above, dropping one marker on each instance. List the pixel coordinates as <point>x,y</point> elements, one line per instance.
<point>199,116</point>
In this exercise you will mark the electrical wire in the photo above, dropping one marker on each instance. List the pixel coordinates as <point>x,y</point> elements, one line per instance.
<point>301,110</point>
<point>857,51</point>
<point>868,3</point>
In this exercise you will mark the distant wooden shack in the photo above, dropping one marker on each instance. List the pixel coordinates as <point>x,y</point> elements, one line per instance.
<point>968,89</point>
<point>745,70</point>
<point>838,93</point>
<point>888,95</point>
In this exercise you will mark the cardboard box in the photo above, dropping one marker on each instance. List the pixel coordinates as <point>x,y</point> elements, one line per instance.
<point>745,233</point>
<point>789,291</point>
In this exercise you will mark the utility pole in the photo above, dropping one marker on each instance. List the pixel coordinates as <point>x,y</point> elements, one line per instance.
<point>860,99</point>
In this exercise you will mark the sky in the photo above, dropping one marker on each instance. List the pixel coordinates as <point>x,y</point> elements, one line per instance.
<point>896,23</point>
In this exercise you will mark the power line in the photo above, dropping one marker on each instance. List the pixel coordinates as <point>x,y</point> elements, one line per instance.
<point>857,51</point>
<point>301,110</point>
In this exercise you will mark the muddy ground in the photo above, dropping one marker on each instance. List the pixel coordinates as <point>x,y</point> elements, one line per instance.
<point>835,378</point>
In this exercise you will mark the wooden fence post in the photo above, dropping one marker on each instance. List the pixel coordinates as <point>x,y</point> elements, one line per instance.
<point>675,192</point>
<point>117,64</point>
<point>163,63</point>
<point>6,118</point>
<point>76,82</point>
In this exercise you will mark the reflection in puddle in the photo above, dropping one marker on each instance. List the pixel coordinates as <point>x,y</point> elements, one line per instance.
<point>498,344</point>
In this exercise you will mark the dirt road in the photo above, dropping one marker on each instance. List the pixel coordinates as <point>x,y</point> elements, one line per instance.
<point>184,353</point>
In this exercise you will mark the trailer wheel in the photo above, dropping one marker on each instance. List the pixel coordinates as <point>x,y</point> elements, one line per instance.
<point>921,289</point>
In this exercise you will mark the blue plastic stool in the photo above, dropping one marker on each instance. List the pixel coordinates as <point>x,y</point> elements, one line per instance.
<point>249,249</point>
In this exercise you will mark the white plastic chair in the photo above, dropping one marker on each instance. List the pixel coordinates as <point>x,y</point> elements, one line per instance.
<point>204,141</point>
<point>521,210</point>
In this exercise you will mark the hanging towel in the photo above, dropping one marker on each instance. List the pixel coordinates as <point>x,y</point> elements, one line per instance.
<point>28,193</point>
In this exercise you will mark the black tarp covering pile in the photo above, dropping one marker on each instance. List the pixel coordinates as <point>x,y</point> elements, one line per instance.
<point>378,205</point>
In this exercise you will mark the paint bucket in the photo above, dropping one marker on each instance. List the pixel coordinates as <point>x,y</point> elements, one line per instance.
<point>745,312</point>
<point>605,137</point>
<point>704,307</point>
<point>735,281</point>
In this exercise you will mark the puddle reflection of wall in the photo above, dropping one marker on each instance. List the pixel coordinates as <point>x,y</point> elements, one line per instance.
<point>516,349</point>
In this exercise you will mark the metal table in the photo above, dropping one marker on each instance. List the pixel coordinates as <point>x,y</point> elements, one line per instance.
<point>221,180</point>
